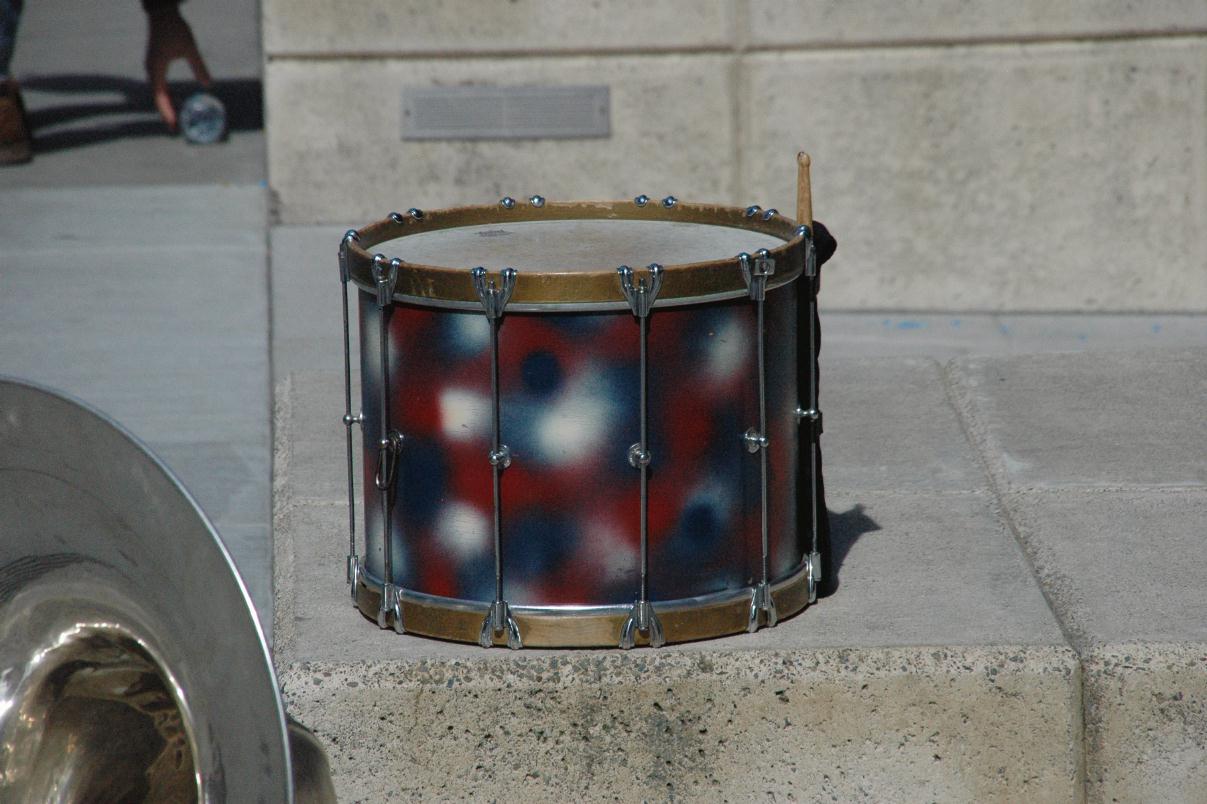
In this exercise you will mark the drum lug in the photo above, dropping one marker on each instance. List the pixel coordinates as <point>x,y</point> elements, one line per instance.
<point>385,277</point>
<point>494,296</point>
<point>814,575</point>
<point>813,417</point>
<point>390,612</point>
<point>639,457</point>
<point>499,619</point>
<point>351,236</point>
<point>640,294</point>
<point>500,457</point>
<point>353,574</point>
<point>762,601</point>
<point>754,440</point>
<point>387,460</point>
<point>644,620</point>
<point>756,271</point>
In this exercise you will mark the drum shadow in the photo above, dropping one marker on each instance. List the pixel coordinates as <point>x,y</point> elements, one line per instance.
<point>243,98</point>
<point>845,530</point>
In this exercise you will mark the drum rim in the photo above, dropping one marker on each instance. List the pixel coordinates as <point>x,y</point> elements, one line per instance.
<point>572,291</point>
<point>686,619</point>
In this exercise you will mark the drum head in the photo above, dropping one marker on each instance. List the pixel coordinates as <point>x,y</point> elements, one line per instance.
<point>566,255</point>
<point>580,246</point>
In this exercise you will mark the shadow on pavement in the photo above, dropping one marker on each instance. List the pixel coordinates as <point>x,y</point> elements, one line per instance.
<point>845,530</point>
<point>243,98</point>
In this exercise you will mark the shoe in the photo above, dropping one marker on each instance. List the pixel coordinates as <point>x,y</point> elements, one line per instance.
<point>16,146</point>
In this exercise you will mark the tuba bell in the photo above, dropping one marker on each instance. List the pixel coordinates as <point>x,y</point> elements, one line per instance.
<point>132,664</point>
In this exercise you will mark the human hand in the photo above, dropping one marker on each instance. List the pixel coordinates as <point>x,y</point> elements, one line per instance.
<point>169,38</point>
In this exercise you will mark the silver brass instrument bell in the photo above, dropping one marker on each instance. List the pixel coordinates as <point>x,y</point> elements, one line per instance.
<point>132,665</point>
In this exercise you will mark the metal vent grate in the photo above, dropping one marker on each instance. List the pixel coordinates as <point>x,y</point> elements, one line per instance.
<point>501,113</point>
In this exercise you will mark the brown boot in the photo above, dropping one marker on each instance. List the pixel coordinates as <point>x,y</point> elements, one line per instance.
<point>15,144</point>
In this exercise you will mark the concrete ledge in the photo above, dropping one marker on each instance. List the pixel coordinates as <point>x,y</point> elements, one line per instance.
<point>764,715</point>
<point>849,699</point>
<point>1098,461</point>
<point>1146,722</point>
<point>884,724</point>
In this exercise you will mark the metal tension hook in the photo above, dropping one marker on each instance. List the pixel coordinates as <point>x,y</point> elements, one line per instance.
<point>494,296</point>
<point>353,560</point>
<point>756,271</point>
<point>387,460</point>
<point>641,296</point>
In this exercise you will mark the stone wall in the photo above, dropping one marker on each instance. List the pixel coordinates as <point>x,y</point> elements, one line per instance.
<point>969,155</point>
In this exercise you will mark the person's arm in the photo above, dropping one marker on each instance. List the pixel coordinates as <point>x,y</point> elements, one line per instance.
<point>169,38</point>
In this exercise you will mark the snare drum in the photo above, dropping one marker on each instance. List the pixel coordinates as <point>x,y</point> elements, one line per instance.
<point>562,450</point>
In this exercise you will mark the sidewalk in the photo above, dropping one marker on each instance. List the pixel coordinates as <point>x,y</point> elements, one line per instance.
<point>133,267</point>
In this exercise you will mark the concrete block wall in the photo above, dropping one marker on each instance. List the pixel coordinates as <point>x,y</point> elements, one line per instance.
<point>968,155</point>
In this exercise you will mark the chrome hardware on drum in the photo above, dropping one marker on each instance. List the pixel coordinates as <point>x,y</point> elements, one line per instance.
<point>584,424</point>
<point>132,666</point>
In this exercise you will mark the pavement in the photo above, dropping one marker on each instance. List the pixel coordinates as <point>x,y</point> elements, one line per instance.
<point>80,67</point>
<point>1019,500</point>
<point>1018,505</point>
<point>133,266</point>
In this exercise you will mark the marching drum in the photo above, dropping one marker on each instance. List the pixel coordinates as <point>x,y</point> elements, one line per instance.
<point>562,450</point>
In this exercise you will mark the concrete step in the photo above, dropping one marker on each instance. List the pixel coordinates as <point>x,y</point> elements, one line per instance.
<point>1017,616</point>
<point>1100,461</point>
<point>936,670</point>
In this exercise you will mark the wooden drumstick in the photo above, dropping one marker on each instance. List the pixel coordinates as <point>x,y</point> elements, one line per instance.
<point>804,192</point>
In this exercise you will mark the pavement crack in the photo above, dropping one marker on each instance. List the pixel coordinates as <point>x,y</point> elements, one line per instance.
<point>973,431</point>
<point>960,402</point>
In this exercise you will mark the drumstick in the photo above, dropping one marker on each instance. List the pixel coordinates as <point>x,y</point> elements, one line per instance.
<point>804,192</point>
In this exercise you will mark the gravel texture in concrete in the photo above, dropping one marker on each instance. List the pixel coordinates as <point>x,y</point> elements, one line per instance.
<point>930,724</point>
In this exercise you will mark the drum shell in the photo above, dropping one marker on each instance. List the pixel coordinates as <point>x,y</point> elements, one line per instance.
<point>569,385</point>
